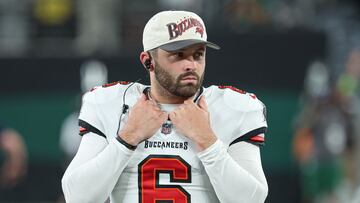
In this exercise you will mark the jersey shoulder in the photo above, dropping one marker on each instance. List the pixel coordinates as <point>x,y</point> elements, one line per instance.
<point>102,105</point>
<point>109,92</point>
<point>246,108</point>
<point>235,99</point>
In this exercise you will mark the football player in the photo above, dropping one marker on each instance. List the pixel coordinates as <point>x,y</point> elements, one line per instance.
<point>174,140</point>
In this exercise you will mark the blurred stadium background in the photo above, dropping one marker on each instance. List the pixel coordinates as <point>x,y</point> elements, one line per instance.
<point>267,48</point>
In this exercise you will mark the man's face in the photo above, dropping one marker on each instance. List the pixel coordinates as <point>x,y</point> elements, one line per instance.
<point>181,73</point>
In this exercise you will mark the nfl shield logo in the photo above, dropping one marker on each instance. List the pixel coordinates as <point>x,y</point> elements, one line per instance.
<point>166,128</point>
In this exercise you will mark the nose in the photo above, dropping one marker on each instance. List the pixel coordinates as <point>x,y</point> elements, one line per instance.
<point>190,64</point>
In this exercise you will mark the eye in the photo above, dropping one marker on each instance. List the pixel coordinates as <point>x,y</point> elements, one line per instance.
<point>179,54</point>
<point>198,54</point>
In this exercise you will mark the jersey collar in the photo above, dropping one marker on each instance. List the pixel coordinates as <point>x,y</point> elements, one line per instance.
<point>146,91</point>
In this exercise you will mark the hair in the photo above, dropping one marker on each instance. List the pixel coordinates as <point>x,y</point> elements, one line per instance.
<point>153,52</point>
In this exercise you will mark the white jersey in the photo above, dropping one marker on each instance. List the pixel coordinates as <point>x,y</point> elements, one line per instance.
<point>167,166</point>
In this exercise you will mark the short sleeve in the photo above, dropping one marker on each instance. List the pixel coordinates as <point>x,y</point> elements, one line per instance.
<point>89,116</point>
<point>253,125</point>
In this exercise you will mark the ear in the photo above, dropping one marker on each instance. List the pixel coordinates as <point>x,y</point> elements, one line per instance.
<point>143,56</point>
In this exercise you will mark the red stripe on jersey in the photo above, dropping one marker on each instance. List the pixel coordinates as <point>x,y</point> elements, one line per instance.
<point>124,82</point>
<point>232,88</point>
<point>92,89</point>
<point>252,95</point>
<point>257,138</point>
<point>115,83</point>
<point>82,129</point>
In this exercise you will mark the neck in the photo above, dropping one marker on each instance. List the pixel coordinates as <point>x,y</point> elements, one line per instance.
<point>163,96</point>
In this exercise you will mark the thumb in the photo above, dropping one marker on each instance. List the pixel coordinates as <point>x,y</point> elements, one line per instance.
<point>203,104</point>
<point>164,116</point>
<point>143,97</point>
<point>189,100</point>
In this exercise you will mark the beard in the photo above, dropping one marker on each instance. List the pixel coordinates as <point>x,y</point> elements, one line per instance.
<point>174,86</point>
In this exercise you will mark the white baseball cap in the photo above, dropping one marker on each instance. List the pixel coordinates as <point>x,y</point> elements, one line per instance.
<point>174,30</point>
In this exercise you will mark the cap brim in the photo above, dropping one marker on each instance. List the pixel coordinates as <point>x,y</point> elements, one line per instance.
<point>174,46</point>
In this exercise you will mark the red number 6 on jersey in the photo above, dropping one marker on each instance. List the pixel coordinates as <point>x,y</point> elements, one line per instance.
<point>150,191</point>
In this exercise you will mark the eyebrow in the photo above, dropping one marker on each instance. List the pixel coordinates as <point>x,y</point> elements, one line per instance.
<point>183,49</point>
<point>201,49</point>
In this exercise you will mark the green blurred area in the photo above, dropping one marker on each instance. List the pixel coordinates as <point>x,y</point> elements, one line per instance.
<point>38,118</point>
<point>282,107</point>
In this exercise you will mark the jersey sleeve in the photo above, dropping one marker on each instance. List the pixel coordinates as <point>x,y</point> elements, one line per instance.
<point>235,172</point>
<point>89,116</point>
<point>253,125</point>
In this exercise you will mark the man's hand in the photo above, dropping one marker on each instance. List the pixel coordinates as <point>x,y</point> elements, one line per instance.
<point>193,121</point>
<point>145,118</point>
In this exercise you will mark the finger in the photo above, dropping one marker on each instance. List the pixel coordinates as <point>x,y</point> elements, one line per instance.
<point>172,115</point>
<point>203,104</point>
<point>179,108</point>
<point>142,98</point>
<point>155,109</point>
<point>164,116</point>
<point>151,103</point>
<point>189,100</point>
